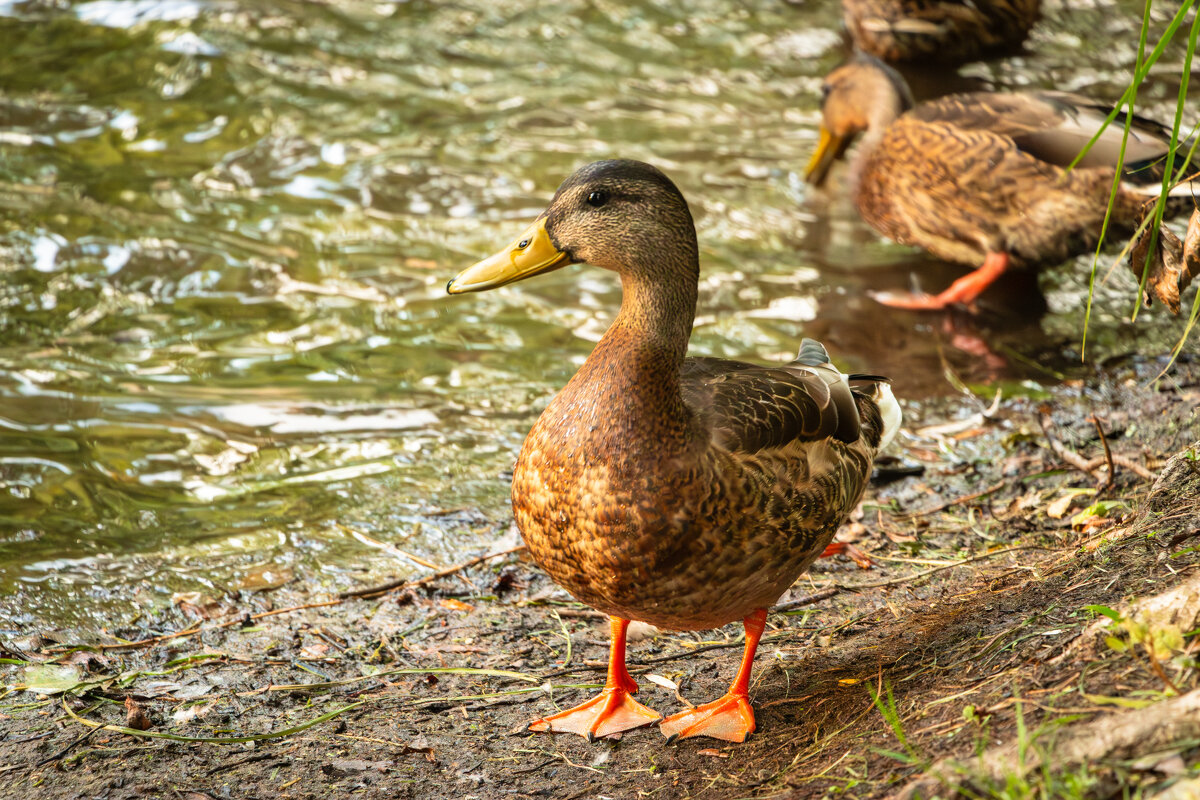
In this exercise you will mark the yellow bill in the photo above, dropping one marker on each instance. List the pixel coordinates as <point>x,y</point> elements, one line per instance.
<point>829,149</point>
<point>532,253</point>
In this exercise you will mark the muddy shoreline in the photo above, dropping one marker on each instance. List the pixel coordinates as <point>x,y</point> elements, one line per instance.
<point>1003,605</point>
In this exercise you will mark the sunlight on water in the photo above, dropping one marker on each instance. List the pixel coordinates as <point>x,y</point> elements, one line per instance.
<point>225,232</point>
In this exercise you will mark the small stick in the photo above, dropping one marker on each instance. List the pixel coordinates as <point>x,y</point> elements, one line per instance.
<point>191,631</point>
<point>1127,463</point>
<point>1108,456</point>
<point>443,573</point>
<point>853,587</point>
<point>1067,456</point>
<point>808,599</point>
<point>964,499</point>
<point>78,741</point>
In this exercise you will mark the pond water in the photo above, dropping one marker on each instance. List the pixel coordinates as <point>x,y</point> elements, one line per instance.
<point>225,231</point>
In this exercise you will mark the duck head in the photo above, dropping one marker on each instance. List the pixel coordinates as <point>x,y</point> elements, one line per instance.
<point>626,216</point>
<point>862,95</point>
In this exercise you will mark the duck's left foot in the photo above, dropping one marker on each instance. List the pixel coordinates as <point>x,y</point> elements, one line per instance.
<point>730,718</point>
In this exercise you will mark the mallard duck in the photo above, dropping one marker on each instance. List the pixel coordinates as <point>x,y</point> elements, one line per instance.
<point>981,178</point>
<point>684,492</point>
<point>938,30</point>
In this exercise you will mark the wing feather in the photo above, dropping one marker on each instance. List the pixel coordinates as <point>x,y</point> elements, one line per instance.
<point>750,408</point>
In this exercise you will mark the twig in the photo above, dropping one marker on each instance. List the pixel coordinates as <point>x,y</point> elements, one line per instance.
<point>406,584</point>
<point>191,631</point>
<point>964,499</point>
<point>212,739</point>
<point>808,599</point>
<point>1108,456</point>
<point>1067,456</point>
<point>853,587</point>
<point>396,551</point>
<point>232,764</point>
<point>78,741</point>
<point>1127,463</point>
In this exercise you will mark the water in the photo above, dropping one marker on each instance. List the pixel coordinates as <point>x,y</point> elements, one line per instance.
<point>225,229</point>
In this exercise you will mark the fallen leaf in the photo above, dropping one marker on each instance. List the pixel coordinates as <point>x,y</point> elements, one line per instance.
<point>264,578</point>
<point>659,680</point>
<point>198,604</point>
<point>52,678</point>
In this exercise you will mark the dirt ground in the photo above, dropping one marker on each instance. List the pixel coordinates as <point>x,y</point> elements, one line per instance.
<point>1020,633</point>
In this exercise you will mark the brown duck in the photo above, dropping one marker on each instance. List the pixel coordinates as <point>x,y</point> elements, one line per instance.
<point>981,178</point>
<point>684,492</point>
<point>938,30</point>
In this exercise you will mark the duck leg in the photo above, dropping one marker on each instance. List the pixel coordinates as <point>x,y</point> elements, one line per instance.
<point>730,717</point>
<point>963,291</point>
<point>611,711</point>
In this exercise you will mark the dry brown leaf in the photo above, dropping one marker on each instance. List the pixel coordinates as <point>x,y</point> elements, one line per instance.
<point>1170,269</point>
<point>135,716</point>
<point>200,605</point>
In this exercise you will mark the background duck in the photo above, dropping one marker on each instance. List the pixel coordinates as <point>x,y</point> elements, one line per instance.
<point>684,492</point>
<point>981,178</point>
<point>938,30</point>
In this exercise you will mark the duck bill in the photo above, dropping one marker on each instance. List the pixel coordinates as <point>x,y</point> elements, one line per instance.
<point>829,149</point>
<point>531,253</point>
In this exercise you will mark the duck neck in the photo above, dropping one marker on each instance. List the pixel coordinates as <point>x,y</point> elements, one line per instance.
<point>633,374</point>
<point>656,318</point>
<point>881,116</point>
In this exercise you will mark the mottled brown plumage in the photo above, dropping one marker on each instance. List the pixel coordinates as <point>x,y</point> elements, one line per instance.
<point>938,30</point>
<point>687,493</point>
<point>982,178</point>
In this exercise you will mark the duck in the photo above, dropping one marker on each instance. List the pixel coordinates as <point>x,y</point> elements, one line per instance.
<point>984,178</point>
<point>943,31</point>
<point>687,493</point>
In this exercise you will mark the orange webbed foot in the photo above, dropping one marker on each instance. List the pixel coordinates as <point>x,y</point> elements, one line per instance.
<point>858,556</point>
<point>963,291</point>
<point>912,301</point>
<point>730,718</point>
<point>611,711</point>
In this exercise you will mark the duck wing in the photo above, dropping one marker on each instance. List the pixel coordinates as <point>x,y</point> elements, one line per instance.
<point>1052,127</point>
<point>749,408</point>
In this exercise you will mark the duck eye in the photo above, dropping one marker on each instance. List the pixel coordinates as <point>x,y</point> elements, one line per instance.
<point>597,199</point>
<point>521,245</point>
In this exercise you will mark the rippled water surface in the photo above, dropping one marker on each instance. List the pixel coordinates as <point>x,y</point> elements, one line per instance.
<point>225,229</point>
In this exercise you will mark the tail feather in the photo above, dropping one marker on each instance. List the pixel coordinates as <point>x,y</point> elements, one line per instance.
<point>879,389</point>
<point>814,355</point>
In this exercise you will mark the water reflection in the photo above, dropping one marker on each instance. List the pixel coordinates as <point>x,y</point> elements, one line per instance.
<point>225,230</point>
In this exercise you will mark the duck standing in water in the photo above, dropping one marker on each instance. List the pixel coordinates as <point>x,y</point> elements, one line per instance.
<point>684,492</point>
<point>981,178</point>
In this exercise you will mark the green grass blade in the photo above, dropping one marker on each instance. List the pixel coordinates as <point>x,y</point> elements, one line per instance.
<point>1161,205</point>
